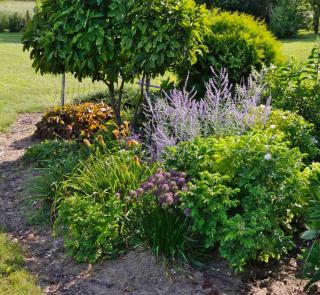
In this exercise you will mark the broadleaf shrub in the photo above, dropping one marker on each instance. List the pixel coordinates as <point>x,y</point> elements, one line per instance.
<point>296,87</point>
<point>286,18</point>
<point>244,193</point>
<point>75,121</point>
<point>311,268</point>
<point>298,132</point>
<point>236,42</point>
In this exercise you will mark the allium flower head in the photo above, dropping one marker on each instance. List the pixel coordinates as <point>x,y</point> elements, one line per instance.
<point>187,212</point>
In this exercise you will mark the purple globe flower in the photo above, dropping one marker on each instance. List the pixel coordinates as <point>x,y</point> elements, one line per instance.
<point>140,191</point>
<point>175,189</point>
<point>181,181</point>
<point>187,212</point>
<point>170,201</point>
<point>184,189</point>
<point>165,187</point>
<point>133,194</point>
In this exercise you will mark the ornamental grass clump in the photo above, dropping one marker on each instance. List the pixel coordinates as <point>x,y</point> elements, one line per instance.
<point>158,220</point>
<point>224,110</point>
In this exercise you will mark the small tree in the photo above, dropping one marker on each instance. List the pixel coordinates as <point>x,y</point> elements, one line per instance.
<point>113,41</point>
<point>156,35</point>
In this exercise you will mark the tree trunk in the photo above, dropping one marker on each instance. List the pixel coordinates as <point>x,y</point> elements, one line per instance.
<point>115,104</point>
<point>137,110</point>
<point>63,89</point>
<point>316,17</point>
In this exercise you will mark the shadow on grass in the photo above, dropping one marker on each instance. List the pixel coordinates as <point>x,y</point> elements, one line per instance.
<point>10,38</point>
<point>304,37</point>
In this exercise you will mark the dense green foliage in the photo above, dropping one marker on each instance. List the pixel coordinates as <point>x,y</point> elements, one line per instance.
<point>296,88</point>
<point>242,188</point>
<point>286,18</point>
<point>235,42</point>
<point>259,8</point>
<point>312,264</point>
<point>167,232</point>
<point>297,130</point>
<point>13,22</point>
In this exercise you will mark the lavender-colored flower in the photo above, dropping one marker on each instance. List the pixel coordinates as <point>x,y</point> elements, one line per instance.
<point>173,183</point>
<point>175,188</point>
<point>184,189</point>
<point>165,186</point>
<point>170,200</point>
<point>225,109</point>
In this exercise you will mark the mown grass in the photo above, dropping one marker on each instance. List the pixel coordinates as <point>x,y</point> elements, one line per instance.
<point>299,47</point>
<point>16,6</point>
<point>14,280</point>
<point>23,90</point>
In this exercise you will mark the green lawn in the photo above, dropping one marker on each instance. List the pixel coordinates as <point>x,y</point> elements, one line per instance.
<point>300,46</point>
<point>14,280</point>
<point>22,90</point>
<point>16,6</point>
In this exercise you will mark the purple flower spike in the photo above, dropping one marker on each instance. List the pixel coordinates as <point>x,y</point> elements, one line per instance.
<point>225,109</point>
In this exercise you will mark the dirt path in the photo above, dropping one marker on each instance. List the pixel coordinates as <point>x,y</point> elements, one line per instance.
<point>136,273</point>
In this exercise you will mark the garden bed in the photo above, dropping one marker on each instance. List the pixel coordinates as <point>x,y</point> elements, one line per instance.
<point>134,273</point>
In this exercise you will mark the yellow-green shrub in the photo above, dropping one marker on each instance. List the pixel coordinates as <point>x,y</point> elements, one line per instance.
<point>236,42</point>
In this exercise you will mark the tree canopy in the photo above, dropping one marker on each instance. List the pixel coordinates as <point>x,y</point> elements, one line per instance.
<point>114,40</point>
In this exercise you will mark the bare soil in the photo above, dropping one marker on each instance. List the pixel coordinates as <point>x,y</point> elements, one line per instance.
<point>136,273</point>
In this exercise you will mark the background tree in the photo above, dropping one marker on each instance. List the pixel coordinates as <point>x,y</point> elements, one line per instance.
<point>287,17</point>
<point>315,6</point>
<point>284,17</point>
<point>260,9</point>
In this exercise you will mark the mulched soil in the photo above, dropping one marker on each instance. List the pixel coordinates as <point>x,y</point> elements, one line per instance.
<point>136,273</point>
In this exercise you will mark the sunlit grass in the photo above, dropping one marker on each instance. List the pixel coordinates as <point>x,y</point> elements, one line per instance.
<point>14,280</point>
<point>23,90</point>
<point>299,47</point>
<point>16,6</point>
